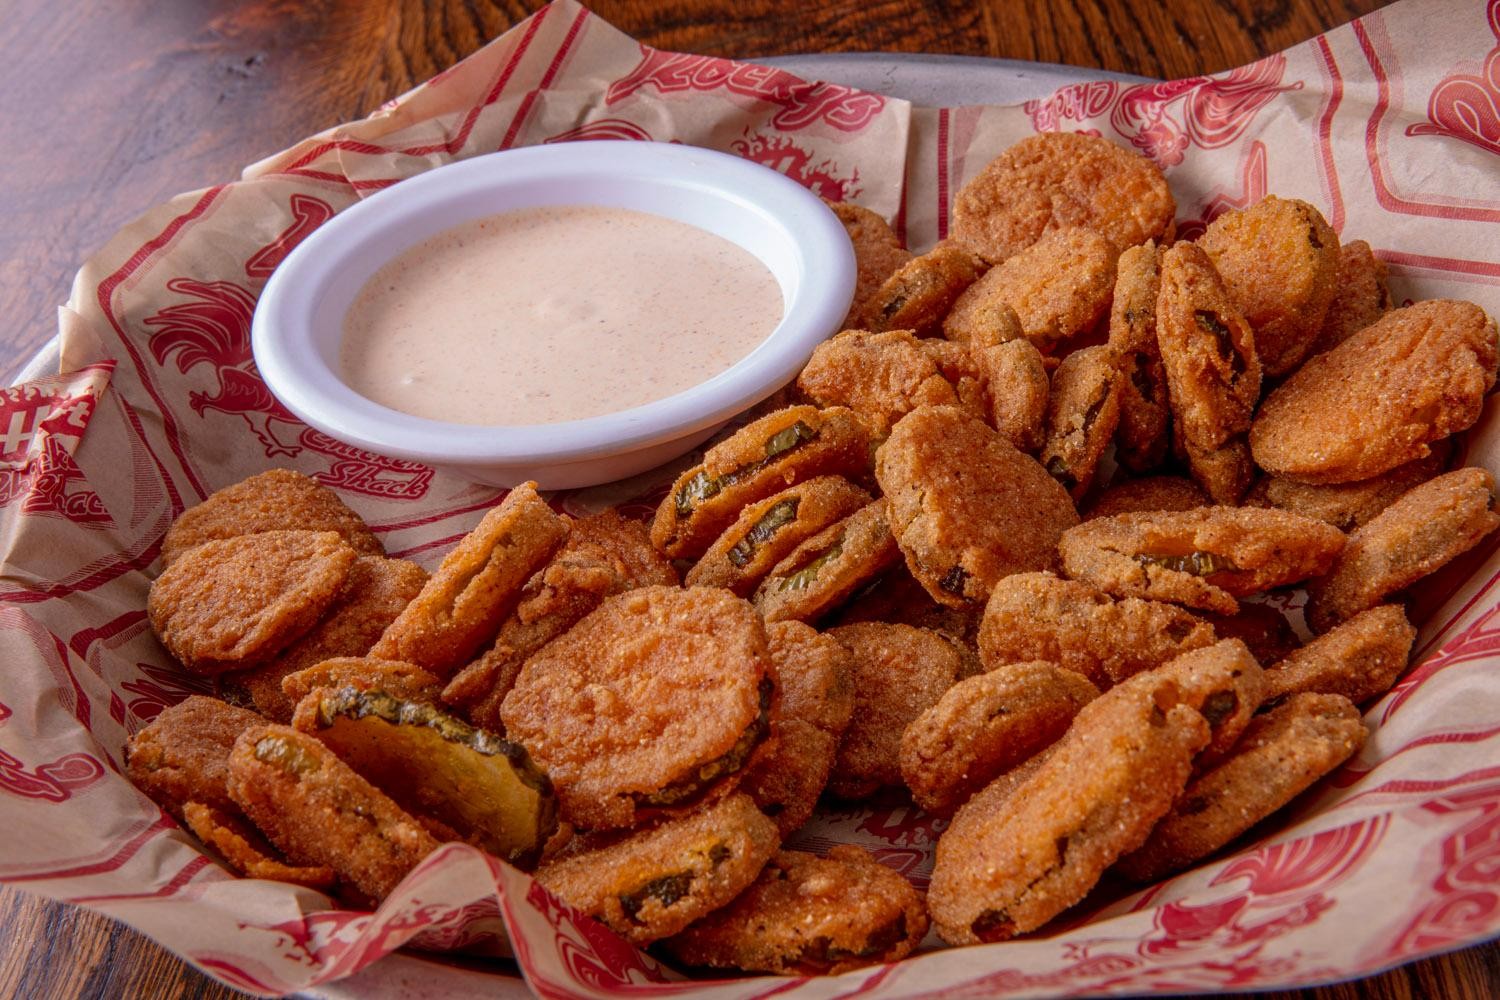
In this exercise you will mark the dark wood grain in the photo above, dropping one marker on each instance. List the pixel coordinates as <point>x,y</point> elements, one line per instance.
<point>112,107</point>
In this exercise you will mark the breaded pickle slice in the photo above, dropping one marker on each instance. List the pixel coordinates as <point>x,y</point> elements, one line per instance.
<point>920,292</point>
<point>1123,762</point>
<point>966,507</point>
<point>1346,506</point>
<point>275,500</point>
<point>1015,378</point>
<point>778,450</point>
<point>1261,627</point>
<point>1082,414</point>
<point>247,851</point>
<point>897,597</point>
<point>404,680</point>
<point>767,531</point>
<point>1078,627</point>
<point>1281,755</point>
<point>654,701</point>
<point>1379,399</point>
<point>316,809</point>
<point>823,571</point>
<point>1149,493</point>
<point>236,602</point>
<point>1359,659</point>
<point>1423,531</point>
<point>1055,180</point>
<point>1223,683</point>
<point>1362,296</point>
<point>877,253</point>
<point>807,915</point>
<point>653,882</point>
<point>980,320</point>
<point>434,764</point>
<point>1059,286</point>
<point>1204,558</point>
<point>880,376</point>
<point>1142,437</point>
<point>986,725</point>
<point>478,583</point>
<point>183,754</point>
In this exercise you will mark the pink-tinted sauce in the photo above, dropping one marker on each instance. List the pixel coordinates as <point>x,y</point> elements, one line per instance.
<point>550,314</point>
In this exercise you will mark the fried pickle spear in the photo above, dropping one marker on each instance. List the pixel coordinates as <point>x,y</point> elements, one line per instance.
<point>807,915</point>
<point>1142,437</point>
<point>920,293</point>
<point>1423,531</point>
<point>1056,180</point>
<point>182,756</point>
<point>1381,398</point>
<point>1204,558</point>
<point>478,583</point>
<point>877,253</point>
<point>1059,286</point>
<point>1359,659</point>
<point>825,569</point>
<point>779,450</point>
<point>236,602</point>
<point>880,376</point>
<point>1082,414</point>
<point>654,701</point>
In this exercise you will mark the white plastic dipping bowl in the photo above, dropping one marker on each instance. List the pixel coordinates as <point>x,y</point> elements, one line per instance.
<point>299,321</point>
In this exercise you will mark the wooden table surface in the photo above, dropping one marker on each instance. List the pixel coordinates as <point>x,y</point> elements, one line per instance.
<point>113,106</point>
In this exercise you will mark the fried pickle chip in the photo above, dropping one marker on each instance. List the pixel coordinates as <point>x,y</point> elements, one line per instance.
<point>824,570</point>
<point>246,851</point>
<point>986,725</point>
<point>1017,388</point>
<point>277,500</point>
<point>1223,683</point>
<point>1082,414</point>
<point>899,672</point>
<point>1059,286</point>
<point>920,293</point>
<point>965,369</point>
<point>1379,399</point>
<point>374,595</point>
<point>1359,659</point>
<point>1280,261</point>
<point>656,700</point>
<point>979,319</point>
<point>236,602</point>
<point>966,507</point>
<point>880,376</point>
<point>1149,493</point>
<point>654,882</point>
<point>1213,371</point>
<point>1346,506</point>
<point>1426,529</point>
<point>183,754</point>
<point>1006,871</point>
<point>1083,630</point>
<point>477,585</point>
<point>1204,558</point>
<point>877,253</point>
<point>1261,627</point>
<point>605,554</point>
<point>1362,296</point>
<point>319,812</point>
<point>404,680</point>
<point>1281,755</point>
<point>1058,180</point>
<point>1142,437</point>
<point>898,598</point>
<point>807,915</point>
<point>779,450</point>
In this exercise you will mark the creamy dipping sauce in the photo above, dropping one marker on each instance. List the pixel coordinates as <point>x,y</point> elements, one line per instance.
<point>548,314</point>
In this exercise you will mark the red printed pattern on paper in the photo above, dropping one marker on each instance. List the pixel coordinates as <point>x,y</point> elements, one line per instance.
<point>782,153</point>
<point>41,425</point>
<point>1467,107</point>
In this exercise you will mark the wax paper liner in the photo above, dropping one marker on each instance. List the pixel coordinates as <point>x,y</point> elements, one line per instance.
<point>1389,125</point>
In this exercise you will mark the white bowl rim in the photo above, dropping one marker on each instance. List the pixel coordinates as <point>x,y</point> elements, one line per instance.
<point>314,392</point>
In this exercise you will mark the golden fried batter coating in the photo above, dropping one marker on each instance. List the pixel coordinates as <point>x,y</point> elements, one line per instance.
<point>655,881</point>
<point>656,699</point>
<point>1059,286</point>
<point>1223,683</point>
<point>1142,438</point>
<point>1150,493</point>
<point>1081,629</point>
<point>1362,296</point>
<point>1426,529</point>
<point>1082,414</point>
<point>961,366</point>
<point>899,672</point>
<point>402,680</point>
<point>246,851</point>
<point>236,602</point>
<point>1346,506</point>
<point>183,755</point>
<point>807,915</point>
<point>374,595</point>
<point>313,807</point>
<point>1281,755</point>
<point>920,293</point>
<point>877,253</point>
<point>824,570</point>
<point>605,554</point>
<point>1379,399</point>
<point>277,500</point>
<point>980,319</point>
<point>966,507</point>
<point>478,583</point>
<point>1280,260</point>
<point>986,725</point>
<point>1016,380</point>
<point>1007,871</point>
<point>1204,558</point>
<point>880,376</point>
<point>1359,659</point>
<point>1057,180</point>
<point>779,450</point>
